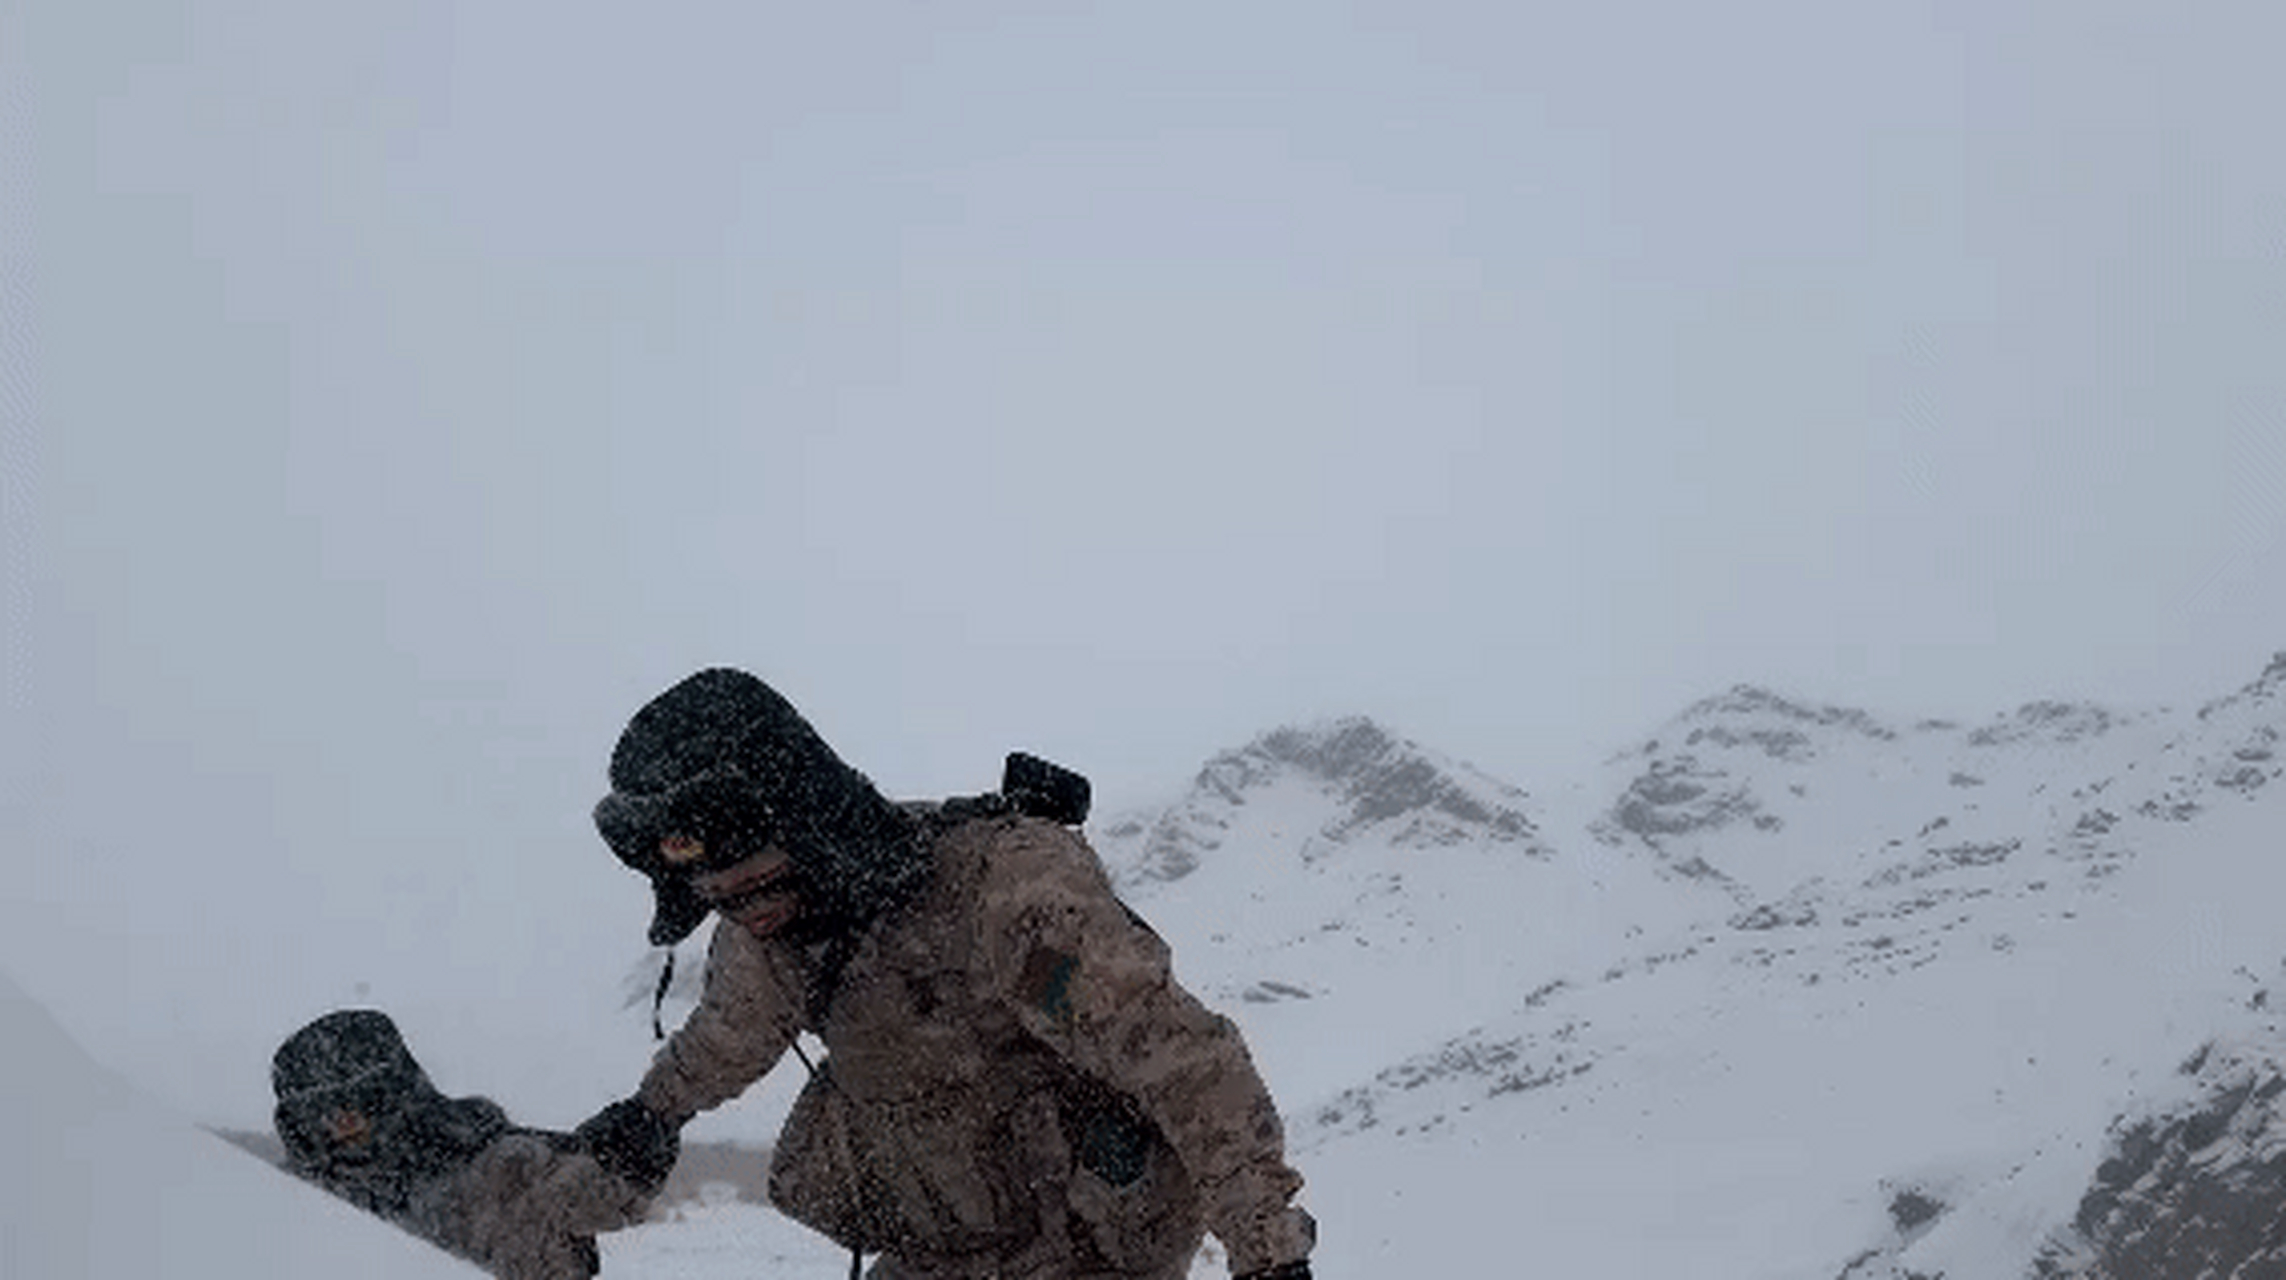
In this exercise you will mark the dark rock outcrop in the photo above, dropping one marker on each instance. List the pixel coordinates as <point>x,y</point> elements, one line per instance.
<point>2193,1192</point>
<point>1772,722</point>
<point>1679,796</point>
<point>2047,721</point>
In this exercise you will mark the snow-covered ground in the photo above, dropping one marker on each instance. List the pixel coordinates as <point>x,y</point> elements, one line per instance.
<point>1789,993</point>
<point>101,1183</point>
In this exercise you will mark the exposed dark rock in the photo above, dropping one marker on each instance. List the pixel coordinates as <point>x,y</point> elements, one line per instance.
<point>1468,1063</point>
<point>1172,850</point>
<point>2243,778</point>
<point>2264,688</point>
<point>1776,915</point>
<point>1778,744</point>
<point>2196,1191</point>
<point>1912,1209</point>
<point>1858,1266</point>
<point>2251,765</point>
<point>2171,807</point>
<point>1346,749</point>
<point>1752,700</point>
<point>2047,721</point>
<point>1677,797</point>
<point>1939,861</point>
<point>1269,992</point>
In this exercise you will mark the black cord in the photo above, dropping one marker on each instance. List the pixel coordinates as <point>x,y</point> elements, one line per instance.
<point>659,996</point>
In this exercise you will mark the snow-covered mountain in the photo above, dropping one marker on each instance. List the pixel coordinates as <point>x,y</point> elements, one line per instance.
<point>1371,785</point>
<point>1798,991</point>
<point>1331,878</point>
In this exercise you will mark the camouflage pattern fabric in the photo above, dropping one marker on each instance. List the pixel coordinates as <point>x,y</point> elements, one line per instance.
<point>1015,1084</point>
<point>359,1117</point>
<point>526,1209</point>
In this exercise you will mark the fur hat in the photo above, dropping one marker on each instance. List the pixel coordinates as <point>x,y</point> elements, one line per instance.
<point>344,1049</point>
<point>350,1060</point>
<point>723,760</point>
<point>353,1063</point>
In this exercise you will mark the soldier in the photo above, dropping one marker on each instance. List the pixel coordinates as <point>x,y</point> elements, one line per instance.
<point>1014,1086</point>
<point>359,1117</point>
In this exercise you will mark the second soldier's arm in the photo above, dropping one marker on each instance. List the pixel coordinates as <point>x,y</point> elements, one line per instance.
<point>746,1018</point>
<point>530,1205</point>
<point>743,1024</point>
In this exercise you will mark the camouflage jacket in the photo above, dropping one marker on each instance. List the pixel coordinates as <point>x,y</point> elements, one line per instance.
<point>521,1203</point>
<point>1015,1083</point>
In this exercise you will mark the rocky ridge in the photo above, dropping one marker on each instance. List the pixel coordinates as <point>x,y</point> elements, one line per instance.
<point>2193,1189</point>
<point>1380,785</point>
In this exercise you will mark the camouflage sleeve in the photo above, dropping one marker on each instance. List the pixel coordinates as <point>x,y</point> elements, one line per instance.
<point>746,1018</point>
<point>1086,975</point>
<point>527,1209</point>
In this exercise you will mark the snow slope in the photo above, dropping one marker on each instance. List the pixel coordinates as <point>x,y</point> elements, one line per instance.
<point>99,1183</point>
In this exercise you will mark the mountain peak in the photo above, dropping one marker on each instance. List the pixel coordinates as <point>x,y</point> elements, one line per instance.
<point>2264,688</point>
<point>2047,720</point>
<point>1748,702</point>
<point>1376,782</point>
<point>1333,749</point>
<point>1382,778</point>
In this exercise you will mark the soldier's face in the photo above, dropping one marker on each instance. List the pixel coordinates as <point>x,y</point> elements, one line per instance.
<point>756,893</point>
<point>348,1129</point>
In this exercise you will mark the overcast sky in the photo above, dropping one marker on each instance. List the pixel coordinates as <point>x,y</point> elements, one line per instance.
<point>397,395</point>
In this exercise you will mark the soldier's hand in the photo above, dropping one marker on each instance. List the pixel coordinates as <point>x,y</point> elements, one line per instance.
<point>632,1142</point>
<point>553,1257</point>
<point>547,1230</point>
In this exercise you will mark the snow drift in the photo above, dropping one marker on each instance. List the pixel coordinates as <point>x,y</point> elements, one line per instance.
<point>100,1183</point>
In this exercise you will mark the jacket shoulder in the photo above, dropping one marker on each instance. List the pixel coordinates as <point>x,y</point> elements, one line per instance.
<point>1014,842</point>
<point>1010,858</point>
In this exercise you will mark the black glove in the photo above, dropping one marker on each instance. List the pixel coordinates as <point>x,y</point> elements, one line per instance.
<point>632,1142</point>
<point>1296,1270</point>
